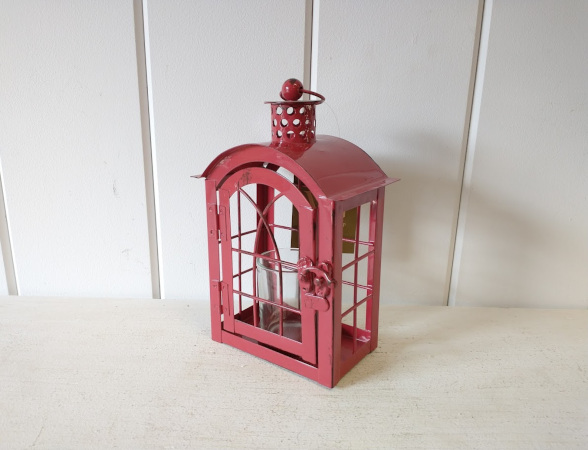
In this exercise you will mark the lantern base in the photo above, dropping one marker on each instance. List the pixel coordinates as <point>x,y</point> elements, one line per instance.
<point>269,354</point>
<point>353,350</point>
<point>351,354</point>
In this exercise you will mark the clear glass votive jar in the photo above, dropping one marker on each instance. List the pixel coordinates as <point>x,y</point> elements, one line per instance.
<point>278,284</point>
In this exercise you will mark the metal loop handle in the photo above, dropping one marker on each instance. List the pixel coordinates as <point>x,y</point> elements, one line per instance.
<point>316,94</point>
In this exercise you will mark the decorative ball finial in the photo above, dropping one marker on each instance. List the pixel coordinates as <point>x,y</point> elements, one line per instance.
<point>291,90</point>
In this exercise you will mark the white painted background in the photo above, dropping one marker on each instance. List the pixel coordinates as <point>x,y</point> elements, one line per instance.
<point>107,108</point>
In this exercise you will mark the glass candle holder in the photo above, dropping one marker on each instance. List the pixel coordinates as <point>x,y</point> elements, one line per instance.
<point>278,284</point>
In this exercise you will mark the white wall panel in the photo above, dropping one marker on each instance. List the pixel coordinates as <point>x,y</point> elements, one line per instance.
<point>398,79</point>
<point>3,283</point>
<point>396,75</point>
<point>525,241</point>
<point>7,281</point>
<point>70,144</point>
<point>214,63</point>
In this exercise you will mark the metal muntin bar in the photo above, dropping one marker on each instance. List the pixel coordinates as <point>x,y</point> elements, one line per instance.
<point>271,225</point>
<point>357,305</point>
<point>287,265</point>
<point>360,286</point>
<point>269,302</point>
<point>355,275</point>
<point>355,261</point>
<point>239,243</point>
<point>243,272</point>
<point>370,243</point>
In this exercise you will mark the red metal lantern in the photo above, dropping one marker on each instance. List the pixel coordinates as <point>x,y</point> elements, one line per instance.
<point>294,241</point>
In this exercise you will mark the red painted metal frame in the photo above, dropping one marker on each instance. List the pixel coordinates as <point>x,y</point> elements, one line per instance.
<point>340,176</point>
<point>262,176</point>
<point>360,341</point>
<point>330,362</point>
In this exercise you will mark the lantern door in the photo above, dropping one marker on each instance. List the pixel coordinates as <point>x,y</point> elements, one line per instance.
<point>260,253</point>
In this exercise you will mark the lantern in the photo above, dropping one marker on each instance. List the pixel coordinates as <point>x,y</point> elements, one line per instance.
<point>294,245</point>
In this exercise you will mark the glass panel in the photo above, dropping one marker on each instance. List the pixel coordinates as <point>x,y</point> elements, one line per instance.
<point>357,254</point>
<point>295,219</point>
<point>265,281</point>
<point>243,215</point>
<point>282,227</point>
<point>347,285</point>
<point>278,284</point>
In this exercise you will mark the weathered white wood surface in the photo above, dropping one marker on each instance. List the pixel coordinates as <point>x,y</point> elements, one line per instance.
<point>144,374</point>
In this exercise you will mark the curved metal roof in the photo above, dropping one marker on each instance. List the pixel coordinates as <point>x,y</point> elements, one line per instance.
<point>334,167</point>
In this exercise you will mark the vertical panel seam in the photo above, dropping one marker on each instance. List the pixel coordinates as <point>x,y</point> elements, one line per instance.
<point>311,27</point>
<point>315,41</point>
<point>470,137</point>
<point>6,241</point>
<point>308,12</point>
<point>148,140</point>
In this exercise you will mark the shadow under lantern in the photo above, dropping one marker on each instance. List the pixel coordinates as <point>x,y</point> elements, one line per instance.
<point>294,245</point>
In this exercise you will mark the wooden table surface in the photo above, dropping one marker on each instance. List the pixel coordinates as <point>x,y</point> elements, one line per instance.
<point>137,374</point>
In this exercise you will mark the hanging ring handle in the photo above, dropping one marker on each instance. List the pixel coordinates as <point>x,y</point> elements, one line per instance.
<point>316,94</point>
